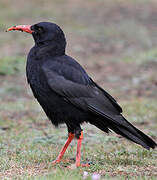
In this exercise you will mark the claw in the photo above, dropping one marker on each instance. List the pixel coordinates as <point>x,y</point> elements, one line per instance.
<point>58,161</point>
<point>83,165</point>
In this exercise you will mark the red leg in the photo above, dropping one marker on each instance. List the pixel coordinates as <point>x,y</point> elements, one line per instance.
<point>78,154</point>
<point>70,138</point>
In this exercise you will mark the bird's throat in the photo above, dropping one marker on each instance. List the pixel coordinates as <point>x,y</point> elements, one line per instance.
<point>49,48</point>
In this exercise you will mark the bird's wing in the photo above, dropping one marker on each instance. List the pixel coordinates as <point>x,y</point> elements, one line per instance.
<point>85,95</point>
<point>113,101</point>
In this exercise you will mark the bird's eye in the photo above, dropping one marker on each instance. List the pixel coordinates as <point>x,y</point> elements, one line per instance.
<point>37,29</point>
<point>40,29</point>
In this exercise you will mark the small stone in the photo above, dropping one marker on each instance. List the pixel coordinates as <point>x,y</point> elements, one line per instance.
<point>85,174</point>
<point>96,176</point>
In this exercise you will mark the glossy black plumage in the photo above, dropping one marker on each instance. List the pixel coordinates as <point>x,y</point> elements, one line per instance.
<point>66,92</point>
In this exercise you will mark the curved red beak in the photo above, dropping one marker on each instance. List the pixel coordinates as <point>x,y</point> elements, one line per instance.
<point>25,28</point>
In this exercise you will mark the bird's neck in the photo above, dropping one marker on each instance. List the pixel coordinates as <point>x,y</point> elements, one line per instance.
<point>50,48</point>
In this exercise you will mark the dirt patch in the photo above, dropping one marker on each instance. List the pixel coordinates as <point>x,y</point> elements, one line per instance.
<point>20,172</point>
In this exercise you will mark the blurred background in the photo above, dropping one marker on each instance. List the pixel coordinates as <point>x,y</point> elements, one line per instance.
<point>115,41</point>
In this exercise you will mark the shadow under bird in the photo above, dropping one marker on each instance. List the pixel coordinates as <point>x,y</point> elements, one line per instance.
<point>67,94</point>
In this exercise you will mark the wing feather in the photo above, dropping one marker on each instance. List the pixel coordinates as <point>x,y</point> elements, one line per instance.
<point>82,96</point>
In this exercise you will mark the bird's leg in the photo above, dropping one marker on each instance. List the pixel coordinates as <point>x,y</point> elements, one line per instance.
<point>78,154</point>
<point>70,138</point>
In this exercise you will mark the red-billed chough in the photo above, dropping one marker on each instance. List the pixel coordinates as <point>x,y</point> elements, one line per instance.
<point>67,94</point>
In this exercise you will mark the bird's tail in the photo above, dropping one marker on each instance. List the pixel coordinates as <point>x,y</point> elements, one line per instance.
<point>124,128</point>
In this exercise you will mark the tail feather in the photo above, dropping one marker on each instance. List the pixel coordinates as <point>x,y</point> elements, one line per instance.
<point>126,130</point>
<point>130,136</point>
<point>135,134</point>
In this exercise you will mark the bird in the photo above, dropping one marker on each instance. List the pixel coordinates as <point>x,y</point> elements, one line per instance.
<point>68,94</point>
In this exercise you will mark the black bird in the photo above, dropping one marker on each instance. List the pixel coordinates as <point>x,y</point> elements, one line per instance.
<point>67,94</point>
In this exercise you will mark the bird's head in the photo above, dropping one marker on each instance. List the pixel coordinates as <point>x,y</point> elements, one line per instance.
<point>44,33</point>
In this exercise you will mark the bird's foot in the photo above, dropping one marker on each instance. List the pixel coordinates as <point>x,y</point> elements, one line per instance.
<point>82,165</point>
<point>58,161</point>
<point>74,166</point>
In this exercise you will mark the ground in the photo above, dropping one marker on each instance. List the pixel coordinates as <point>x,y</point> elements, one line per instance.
<point>116,42</point>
